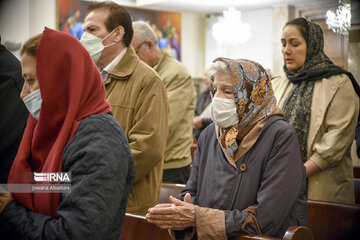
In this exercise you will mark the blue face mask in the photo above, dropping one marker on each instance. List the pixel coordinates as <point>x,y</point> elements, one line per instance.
<point>33,103</point>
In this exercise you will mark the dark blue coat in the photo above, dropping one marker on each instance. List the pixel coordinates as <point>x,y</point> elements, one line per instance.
<point>102,174</point>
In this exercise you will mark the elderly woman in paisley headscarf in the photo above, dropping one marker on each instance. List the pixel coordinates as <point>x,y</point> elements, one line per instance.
<point>247,175</point>
<point>322,104</point>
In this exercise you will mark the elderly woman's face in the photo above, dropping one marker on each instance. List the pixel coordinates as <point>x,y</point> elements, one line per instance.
<point>223,86</point>
<point>293,48</point>
<point>28,65</point>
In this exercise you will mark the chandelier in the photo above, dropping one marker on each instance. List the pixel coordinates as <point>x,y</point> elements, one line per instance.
<point>230,29</point>
<point>340,20</point>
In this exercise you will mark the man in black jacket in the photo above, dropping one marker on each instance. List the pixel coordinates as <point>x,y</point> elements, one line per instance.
<point>202,111</point>
<point>12,110</point>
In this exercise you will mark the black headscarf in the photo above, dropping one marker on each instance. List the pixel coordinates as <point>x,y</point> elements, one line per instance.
<point>297,106</point>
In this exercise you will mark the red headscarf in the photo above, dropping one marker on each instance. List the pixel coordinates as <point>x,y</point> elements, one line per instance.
<point>71,90</point>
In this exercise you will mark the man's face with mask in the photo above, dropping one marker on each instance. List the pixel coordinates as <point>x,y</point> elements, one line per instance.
<point>94,24</point>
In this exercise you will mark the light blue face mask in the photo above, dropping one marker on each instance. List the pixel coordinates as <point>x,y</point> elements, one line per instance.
<point>33,103</point>
<point>94,45</point>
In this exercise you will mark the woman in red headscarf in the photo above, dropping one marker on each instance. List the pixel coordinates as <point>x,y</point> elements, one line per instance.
<point>70,131</point>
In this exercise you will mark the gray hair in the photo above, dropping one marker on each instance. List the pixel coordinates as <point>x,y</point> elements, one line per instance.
<point>143,32</point>
<point>217,67</point>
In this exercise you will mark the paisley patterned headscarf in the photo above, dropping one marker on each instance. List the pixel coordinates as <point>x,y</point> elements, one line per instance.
<point>297,106</point>
<point>254,99</point>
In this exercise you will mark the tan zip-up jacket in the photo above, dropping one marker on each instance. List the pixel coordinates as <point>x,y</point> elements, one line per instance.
<point>182,98</point>
<point>139,102</point>
<point>334,115</point>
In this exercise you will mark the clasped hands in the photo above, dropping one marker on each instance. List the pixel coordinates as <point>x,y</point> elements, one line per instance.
<point>177,215</point>
<point>5,198</point>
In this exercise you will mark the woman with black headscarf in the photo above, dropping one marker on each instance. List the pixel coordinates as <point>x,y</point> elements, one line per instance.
<point>321,101</point>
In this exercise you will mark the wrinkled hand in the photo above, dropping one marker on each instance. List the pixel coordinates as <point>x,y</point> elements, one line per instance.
<point>5,198</point>
<point>176,216</point>
<point>197,122</point>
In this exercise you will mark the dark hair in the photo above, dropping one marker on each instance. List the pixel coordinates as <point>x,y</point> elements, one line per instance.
<point>118,16</point>
<point>302,25</point>
<point>30,45</point>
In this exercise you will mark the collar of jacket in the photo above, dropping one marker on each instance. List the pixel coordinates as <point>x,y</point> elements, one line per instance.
<point>164,56</point>
<point>125,67</point>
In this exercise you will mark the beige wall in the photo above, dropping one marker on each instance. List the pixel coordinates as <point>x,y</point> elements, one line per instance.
<point>281,15</point>
<point>21,19</point>
<point>192,42</point>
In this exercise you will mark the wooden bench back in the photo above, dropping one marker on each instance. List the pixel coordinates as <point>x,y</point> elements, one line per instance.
<point>135,227</point>
<point>170,189</point>
<point>294,233</point>
<point>356,171</point>
<point>357,190</point>
<point>334,221</point>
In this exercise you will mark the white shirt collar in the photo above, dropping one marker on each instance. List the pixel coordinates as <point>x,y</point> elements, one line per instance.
<point>115,61</point>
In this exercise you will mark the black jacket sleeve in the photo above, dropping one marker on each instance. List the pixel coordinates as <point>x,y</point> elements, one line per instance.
<point>102,172</point>
<point>13,111</point>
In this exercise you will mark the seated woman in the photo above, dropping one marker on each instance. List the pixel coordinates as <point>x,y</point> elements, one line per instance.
<point>247,175</point>
<point>70,129</point>
<point>321,101</point>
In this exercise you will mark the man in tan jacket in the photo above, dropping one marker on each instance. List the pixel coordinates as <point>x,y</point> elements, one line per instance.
<point>136,94</point>
<point>182,98</point>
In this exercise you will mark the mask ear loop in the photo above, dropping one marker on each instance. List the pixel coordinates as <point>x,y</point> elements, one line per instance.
<point>111,44</point>
<point>211,90</point>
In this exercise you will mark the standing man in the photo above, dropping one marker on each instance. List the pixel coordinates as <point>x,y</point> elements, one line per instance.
<point>202,117</point>
<point>136,94</point>
<point>181,95</point>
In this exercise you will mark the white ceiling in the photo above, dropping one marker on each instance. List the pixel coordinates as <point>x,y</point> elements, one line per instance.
<point>213,6</point>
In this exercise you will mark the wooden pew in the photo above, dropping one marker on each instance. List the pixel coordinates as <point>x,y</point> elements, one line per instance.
<point>356,170</point>
<point>293,233</point>
<point>135,227</point>
<point>170,189</point>
<point>327,220</point>
<point>334,221</point>
<point>357,190</point>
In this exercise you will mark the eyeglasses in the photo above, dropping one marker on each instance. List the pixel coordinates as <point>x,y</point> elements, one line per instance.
<point>137,49</point>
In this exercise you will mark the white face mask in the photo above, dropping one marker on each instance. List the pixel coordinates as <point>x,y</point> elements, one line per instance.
<point>94,45</point>
<point>223,112</point>
<point>33,103</point>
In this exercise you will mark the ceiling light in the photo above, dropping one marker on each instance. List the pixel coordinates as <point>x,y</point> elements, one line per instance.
<point>230,29</point>
<point>340,21</point>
